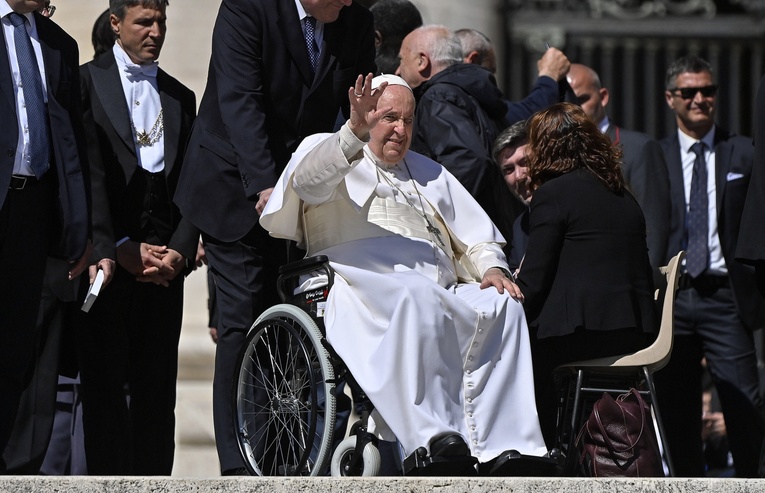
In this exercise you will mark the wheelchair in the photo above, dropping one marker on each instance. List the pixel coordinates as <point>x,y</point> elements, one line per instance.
<point>287,390</point>
<point>288,384</point>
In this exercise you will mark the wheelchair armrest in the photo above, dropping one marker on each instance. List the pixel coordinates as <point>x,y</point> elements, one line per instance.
<point>289,276</point>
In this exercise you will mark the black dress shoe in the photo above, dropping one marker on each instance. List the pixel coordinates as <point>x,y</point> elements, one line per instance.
<point>449,445</point>
<point>239,471</point>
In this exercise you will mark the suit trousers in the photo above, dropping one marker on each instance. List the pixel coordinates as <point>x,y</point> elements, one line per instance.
<point>707,325</point>
<point>27,447</point>
<point>129,341</point>
<point>245,275</point>
<point>26,221</point>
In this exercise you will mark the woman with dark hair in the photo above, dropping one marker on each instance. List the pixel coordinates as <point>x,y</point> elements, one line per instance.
<point>586,277</point>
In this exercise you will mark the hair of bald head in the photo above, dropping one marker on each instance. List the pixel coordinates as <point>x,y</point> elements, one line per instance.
<point>439,43</point>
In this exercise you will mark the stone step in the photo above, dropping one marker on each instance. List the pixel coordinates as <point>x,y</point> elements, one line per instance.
<point>93,484</point>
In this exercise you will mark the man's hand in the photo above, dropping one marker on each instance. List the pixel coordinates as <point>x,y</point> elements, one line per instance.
<point>78,267</point>
<point>497,278</point>
<point>172,265</point>
<point>201,258</point>
<point>364,111</point>
<point>263,200</point>
<point>141,259</point>
<point>553,64</point>
<point>105,264</point>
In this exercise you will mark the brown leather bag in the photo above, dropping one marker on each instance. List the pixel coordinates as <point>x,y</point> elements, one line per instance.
<point>618,439</point>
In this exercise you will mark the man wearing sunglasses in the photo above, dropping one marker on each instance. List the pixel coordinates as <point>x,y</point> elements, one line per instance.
<point>717,304</point>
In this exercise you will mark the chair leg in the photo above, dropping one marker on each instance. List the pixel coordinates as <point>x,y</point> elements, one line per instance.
<point>659,423</point>
<point>575,413</point>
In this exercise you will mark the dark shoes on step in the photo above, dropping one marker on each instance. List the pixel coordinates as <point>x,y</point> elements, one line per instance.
<point>449,445</point>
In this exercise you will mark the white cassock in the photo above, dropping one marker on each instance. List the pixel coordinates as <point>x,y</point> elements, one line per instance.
<point>433,355</point>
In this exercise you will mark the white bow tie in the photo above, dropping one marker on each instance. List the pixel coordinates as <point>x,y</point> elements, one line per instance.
<point>147,69</point>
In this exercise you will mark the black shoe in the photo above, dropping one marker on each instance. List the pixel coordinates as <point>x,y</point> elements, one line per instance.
<point>239,471</point>
<point>499,465</point>
<point>449,445</point>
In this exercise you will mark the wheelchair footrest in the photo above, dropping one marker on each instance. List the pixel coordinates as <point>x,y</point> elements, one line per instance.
<point>419,463</point>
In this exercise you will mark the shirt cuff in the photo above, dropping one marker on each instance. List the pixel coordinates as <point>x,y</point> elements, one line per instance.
<point>349,143</point>
<point>120,242</point>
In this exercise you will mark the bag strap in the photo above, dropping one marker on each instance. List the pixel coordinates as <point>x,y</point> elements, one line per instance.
<point>602,429</point>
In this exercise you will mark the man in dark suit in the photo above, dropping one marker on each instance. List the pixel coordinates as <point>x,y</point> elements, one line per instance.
<point>280,70</point>
<point>751,238</point>
<point>717,304</point>
<point>43,197</point>
<point>643,161</point>
<point>138,119</point>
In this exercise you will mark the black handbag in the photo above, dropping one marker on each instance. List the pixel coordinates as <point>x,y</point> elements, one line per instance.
<point>618,439</point>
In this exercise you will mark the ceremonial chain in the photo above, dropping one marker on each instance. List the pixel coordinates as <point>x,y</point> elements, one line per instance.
<point>431,229</point>
<point>152,137</point>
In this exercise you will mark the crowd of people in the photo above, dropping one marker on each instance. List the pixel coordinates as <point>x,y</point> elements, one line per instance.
<point>478,243</point>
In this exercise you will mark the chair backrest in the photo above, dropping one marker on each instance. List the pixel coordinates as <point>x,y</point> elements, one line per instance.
<point>657,354</point>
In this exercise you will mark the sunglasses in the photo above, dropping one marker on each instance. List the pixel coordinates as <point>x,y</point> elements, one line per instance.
<point>690,92</point>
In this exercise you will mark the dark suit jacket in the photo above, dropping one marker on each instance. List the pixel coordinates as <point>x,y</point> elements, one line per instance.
<point>261,100</point>
<point>646,175</point>
<point>61,59</point>
<point>586,265</point>
<point>112,154</point>
<point>733,169</point>
<point>751,239</point>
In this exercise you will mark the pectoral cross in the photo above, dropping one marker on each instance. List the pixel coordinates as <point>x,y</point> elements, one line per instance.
<point>437,233</point>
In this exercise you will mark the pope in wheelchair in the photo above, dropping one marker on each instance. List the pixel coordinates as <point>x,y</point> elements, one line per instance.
<point>422,310</point>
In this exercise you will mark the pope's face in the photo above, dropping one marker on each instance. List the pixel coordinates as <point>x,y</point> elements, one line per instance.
<point>326,11</point>
<point>391,137</point>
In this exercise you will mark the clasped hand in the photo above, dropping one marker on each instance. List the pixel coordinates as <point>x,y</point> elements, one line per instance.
<point>150,263</point>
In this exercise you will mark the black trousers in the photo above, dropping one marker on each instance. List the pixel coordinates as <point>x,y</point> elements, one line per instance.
<point>707,325</point>
<point>128,342</point>
<point>26,221</point>
<point>245,281</point>
<point>28,444</point>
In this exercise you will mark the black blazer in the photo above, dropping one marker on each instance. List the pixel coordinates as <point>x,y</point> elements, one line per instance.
<point>751,239</point>
<point>733,170</point>
<point>61,59</point>
<point>646,175</point>
<point>261,100</point>
<point>112,154</point>
<point>586,265</point>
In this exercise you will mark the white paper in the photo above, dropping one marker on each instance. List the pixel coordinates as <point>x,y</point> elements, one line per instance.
<point>93,291</point>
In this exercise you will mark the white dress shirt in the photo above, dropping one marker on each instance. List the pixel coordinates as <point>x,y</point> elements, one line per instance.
<point>142,97</point>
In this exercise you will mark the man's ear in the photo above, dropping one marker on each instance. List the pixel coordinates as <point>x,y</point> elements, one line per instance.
<point>378,39</point>
<point>603,96</point>
<point>424,65</point>
<point>473,57</point>
<point>670,100</point>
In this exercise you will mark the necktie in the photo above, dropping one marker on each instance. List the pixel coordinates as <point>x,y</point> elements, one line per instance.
<point>310,42</point>
<point>698,216</point>
<point>31,85</point>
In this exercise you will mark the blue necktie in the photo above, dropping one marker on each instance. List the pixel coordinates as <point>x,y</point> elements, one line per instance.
<point>697,256</point>
<point>310,42</point>
<point>31,84</point>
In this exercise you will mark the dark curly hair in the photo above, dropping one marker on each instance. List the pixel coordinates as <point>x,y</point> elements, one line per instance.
<point>562,139</point>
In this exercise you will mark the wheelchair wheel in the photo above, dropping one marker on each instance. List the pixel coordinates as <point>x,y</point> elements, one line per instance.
<point>344,454</point>
<point>285,402</point>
